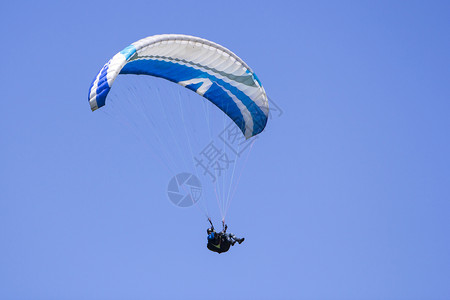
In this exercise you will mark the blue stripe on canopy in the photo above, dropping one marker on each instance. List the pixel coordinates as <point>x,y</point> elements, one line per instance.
<point>216,93</point>
<point>102,87</point>
<point>128,51</point>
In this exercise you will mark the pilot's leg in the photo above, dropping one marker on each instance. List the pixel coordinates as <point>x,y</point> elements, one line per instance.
<point>230,238</point>
<point>235,239</point>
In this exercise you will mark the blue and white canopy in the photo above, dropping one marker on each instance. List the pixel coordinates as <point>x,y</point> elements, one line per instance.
<point>207,68</point>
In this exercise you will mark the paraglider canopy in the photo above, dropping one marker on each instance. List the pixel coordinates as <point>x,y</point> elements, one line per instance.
<point>207,68</point>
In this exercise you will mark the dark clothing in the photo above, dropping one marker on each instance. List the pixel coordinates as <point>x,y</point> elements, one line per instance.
<point>212,237</point>
<point>219,242</point>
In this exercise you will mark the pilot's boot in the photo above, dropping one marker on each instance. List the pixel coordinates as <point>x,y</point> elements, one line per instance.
<point>240,240</point>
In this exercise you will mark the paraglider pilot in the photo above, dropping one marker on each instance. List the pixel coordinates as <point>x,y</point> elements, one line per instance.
<point>221,241</point>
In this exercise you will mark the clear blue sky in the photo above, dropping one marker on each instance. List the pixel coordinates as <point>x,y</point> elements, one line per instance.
<point>347,196</point>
